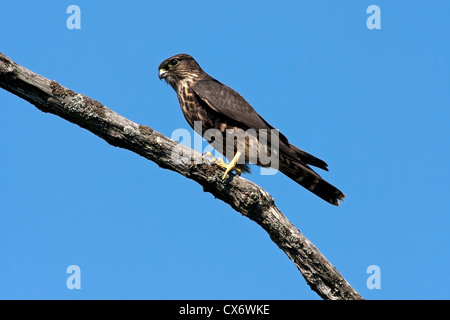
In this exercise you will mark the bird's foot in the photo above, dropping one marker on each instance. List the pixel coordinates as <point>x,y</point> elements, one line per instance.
<point>228,167</point>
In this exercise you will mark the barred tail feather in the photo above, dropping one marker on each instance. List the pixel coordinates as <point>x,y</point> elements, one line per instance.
<point>310,180</point>
<point>309,158</point>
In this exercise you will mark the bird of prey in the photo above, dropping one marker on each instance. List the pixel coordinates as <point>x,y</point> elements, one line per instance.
<point>204,99</point>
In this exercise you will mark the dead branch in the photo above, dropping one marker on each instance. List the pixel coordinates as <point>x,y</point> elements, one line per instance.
<point>242,195</point>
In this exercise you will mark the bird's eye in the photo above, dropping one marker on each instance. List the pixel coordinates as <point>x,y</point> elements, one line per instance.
<point>173,63</point>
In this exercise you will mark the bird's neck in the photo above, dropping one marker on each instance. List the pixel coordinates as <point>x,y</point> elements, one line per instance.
<point>186,81</point>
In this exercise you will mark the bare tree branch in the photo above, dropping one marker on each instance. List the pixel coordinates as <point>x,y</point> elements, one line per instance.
<point>242,195</point>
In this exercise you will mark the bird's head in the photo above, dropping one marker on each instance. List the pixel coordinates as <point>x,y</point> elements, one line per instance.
<point>178,68</point>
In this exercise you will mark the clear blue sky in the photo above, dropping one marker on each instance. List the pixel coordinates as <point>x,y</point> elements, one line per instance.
<point>374,104</point>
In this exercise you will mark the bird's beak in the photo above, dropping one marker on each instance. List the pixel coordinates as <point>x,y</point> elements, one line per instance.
<point>162,73</point>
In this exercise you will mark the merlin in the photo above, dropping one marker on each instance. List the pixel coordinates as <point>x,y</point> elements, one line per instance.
<point>214,105</point>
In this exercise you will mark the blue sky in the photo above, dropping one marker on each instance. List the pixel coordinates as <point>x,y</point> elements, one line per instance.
<point>374,104</point>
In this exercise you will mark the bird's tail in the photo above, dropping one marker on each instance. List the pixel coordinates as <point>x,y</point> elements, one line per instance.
<point>308,158</point>
<point>306,177</point>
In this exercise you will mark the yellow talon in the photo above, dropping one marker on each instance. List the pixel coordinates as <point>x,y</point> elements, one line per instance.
<point>232,166</point>
<point>209,154</point>
<point>222,164</point>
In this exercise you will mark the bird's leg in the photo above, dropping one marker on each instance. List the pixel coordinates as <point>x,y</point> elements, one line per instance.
<point>232,166</point>
<point>222,164</point>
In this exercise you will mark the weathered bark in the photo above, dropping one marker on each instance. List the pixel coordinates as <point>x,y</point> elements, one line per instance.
<point>242,195</point>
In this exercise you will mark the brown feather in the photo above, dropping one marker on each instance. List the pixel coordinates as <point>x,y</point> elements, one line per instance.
<point>203,98</point>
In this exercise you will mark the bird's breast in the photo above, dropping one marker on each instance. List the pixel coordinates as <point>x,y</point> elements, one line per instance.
<point>191,108</point>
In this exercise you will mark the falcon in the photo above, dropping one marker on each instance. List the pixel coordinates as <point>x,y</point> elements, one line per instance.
<point>216,106</point>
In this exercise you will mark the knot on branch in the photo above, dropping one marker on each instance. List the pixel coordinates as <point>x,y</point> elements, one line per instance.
<point>6,65</point>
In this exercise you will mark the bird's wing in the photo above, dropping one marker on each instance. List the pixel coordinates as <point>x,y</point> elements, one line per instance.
<point>232,105</point>
<point>227,102</point>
